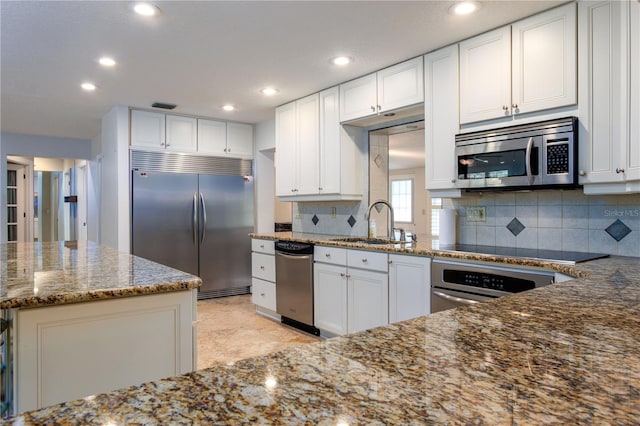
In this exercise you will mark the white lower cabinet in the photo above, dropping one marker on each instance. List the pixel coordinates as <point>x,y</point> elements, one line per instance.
<point>330,298</point>
<point>409,287</point>
<point>72,351</point>
<point>351,290</point>
<point>263,277</point>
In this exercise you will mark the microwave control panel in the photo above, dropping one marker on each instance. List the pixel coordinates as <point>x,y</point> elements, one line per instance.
<point>558,157</point>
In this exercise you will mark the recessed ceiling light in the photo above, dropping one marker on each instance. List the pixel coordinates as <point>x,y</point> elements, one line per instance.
<point>107,61</point>
<point>89,87</point>
<point>228,107</point>
<point>269,91</point>
<point>464,7</point>
<point>145,9</point>
<point>341,60</point>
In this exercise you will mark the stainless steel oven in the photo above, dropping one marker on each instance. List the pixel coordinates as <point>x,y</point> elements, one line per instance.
<point>538,155</point>
<point>455,284</point>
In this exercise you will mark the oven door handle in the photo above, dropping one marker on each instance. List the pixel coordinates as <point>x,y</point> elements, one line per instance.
<point>455,299</point>
<point>528,160</point>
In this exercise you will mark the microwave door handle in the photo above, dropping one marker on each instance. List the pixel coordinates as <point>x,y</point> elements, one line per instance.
<point>528,161</point>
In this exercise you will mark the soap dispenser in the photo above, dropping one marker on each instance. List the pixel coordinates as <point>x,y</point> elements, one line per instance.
<point>372,228</point>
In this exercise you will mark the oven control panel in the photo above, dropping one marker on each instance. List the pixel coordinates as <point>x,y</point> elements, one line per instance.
<point>558,158</point>
<point>487,280</point>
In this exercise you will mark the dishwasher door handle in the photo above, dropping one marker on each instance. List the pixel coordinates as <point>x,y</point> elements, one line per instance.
<point>294,256</point>
<point>455,299</point>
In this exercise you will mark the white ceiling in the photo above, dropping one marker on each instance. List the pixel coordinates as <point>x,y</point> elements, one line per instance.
<point>202,54</point>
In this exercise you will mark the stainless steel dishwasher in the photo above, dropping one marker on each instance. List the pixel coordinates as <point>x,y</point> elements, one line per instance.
<point>294,285</point>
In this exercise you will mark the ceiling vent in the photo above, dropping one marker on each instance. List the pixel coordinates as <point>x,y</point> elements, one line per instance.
<point>163,105</point>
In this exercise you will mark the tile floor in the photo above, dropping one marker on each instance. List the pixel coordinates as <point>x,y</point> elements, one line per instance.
<point>229,330</point>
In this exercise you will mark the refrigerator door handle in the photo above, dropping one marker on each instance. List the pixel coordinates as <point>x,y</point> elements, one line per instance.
<point>204,218</point>
<point>194,219</point>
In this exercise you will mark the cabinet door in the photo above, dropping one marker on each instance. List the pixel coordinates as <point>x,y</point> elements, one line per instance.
<point>368,296</point>
<point>409,287</point>
<point>544,69</point>
<point>181,134</point>
<point>633,141</point>
<point>485,76</point>
<point>147,129</point>
<point>602,109</point>
<point>358,98</point>
<point>441,117</point>
<point>307,141</point>
<point>240,140</point>
<point>330,298</point>
<point>400,85</point>
<point>285,158</point>
<point>212,137</point>
<point>330,152</point>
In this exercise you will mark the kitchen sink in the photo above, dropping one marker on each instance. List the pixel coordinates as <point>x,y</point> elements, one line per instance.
<point>360,240</point>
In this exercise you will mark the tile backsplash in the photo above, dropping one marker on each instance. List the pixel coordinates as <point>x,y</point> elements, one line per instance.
<point>553,219</point>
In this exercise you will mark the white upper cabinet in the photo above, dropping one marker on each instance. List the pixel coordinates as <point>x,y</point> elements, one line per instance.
<point>392,88</point>
<point>485,76</point>
<point>222,138</point>
<point>239,140</point>
<point>147,129</point>
<point>316,159</point>
<point>212,137</point>
<point>528,66</point>
<point>358,98</point>
<point>441,120</point>
<point>181,133</point>
<point>286,150</point>
<point>609,44</point>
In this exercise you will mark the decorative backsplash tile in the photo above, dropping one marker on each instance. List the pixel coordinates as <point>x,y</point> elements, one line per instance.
<point>351,221</point>
<point>315,219</point>
<point>515,226</point>
<point>554,220</point>
<point>618,230</point>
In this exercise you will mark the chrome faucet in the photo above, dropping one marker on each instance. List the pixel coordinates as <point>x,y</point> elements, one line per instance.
<point>392,222</point>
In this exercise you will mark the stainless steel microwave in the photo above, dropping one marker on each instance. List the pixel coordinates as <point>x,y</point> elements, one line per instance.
<point>528,156</point>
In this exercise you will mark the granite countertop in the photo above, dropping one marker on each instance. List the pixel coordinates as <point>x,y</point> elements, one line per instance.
<point>56,273</point>
<point>568,353</point>
<point>428,248</point>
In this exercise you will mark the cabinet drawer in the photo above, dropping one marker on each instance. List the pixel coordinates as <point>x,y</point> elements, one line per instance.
<point>371,260</point>
<point>263,266</point>
<point>263,246</point>
<point>332,255</point>
<point>263,293</point>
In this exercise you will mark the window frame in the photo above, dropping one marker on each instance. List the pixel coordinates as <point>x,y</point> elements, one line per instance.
<point>410,178</point>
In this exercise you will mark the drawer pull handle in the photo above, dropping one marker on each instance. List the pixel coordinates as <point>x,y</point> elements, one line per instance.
<point>619,170</point>
<point>364,260</point>
<point>261,245</point>
<point>262,294</point>
<point>262,267</point>
<point>327,255</point>
<point>342,274</point>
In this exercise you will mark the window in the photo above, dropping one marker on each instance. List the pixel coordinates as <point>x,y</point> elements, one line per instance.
<point>436,206</point>
<point>402,199</point>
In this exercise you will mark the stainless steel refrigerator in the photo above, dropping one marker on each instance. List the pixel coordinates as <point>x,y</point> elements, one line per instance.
<point>194,213</point>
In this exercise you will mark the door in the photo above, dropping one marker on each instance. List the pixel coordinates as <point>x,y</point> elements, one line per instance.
<point>409,287</point>
<point>358,98</point>
<point>212,137</point>
<point>285,163</point>
<point>240,140</point>
<point>400,85</point>
<point>181,134</point>
<point>226,219</point>
<point>330,298</point>
<point>147,129</point>
<point>163,212</point>
<point>368,299</point>
<point>307,141</point>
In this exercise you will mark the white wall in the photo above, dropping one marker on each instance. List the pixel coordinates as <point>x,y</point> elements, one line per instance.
<point>265,141</point>
<point>35,146</point>
<point>114,185</point>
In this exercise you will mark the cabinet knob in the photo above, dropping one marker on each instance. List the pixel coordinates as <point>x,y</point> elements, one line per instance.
<point>261,245</point>
<point>225,150</point>
<point>327,255</point>
<point>319,188</point>
<point>390,262</point>
<point>262,267</point>
<point>364,260</point>
<point>379,108</point>
<point>453,180</point>
<point>619,170</point>
<point>262,294</point>
<point>582,173</point>
<point>342,274</point>
<point>373,108</point>
<point>514,106</point>
<point>505,108</point>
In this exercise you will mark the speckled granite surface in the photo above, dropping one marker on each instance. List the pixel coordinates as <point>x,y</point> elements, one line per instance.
<point>45,274</point>
<point>568,353</point>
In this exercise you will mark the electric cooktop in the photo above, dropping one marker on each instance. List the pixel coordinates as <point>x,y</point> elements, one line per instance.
<point>567,257</point>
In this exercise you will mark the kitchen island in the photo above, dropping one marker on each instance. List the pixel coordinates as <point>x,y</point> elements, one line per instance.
<point>568,353</point>
<point>86,318</point>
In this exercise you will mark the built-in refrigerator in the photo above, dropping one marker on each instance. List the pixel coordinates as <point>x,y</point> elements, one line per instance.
<point>194,213</point>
